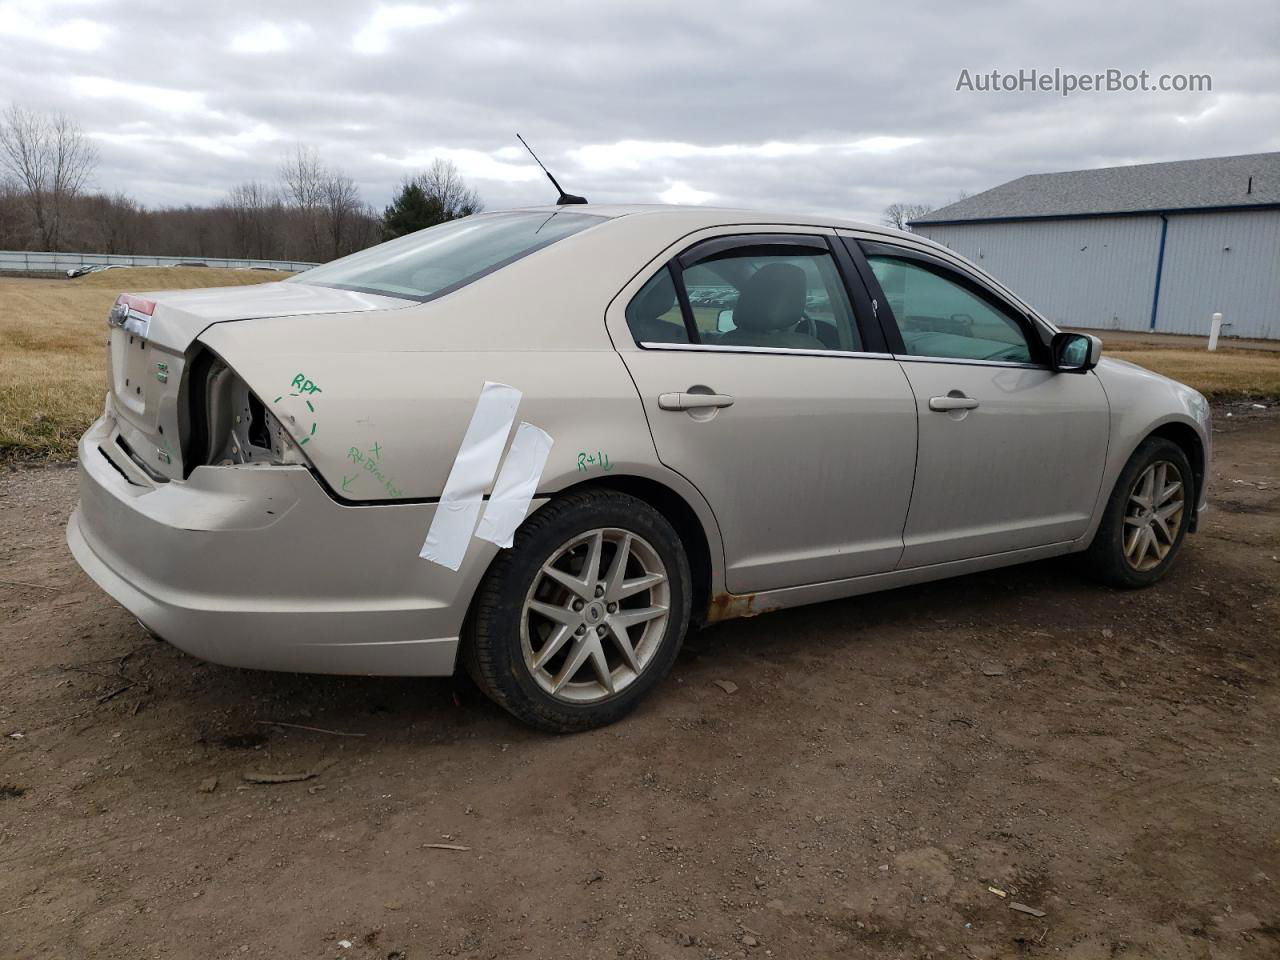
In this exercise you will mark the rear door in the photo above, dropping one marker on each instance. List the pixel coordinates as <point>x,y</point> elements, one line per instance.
<point>762,388</point>
<point>1011,453</point>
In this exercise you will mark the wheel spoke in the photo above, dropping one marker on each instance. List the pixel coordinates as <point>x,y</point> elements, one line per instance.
<point>1134,522</point>
<point>1148,543</point>
<point>629,618</point>
<point>613,581</point>
<point>553,646</point>
<point>1131,545</point>
<point>577,657</point>
<point>1161,525</point>
<point>601,665</point>
<point>629,588</point>
<point>552,612</point>
<point>591,569</point>
<point>623,642</point>
<point>578,588</point>
<point>1169,491</point>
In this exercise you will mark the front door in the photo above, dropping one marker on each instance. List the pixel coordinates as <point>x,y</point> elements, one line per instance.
<point>760,389</point>
<point>1011,453</point>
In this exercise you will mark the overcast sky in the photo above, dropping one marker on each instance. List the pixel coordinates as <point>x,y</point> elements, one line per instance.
<point>797,105</point>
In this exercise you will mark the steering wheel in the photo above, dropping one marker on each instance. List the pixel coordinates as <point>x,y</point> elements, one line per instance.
<point>810,326</point>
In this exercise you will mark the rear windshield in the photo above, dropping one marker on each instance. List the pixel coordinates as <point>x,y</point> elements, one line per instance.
<point>440,259</point>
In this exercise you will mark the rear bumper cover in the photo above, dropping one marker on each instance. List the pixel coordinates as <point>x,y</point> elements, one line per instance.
<point>258,567</point>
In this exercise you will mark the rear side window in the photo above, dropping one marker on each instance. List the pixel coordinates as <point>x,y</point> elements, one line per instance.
<point>758,298</point>
<point>440,259</point>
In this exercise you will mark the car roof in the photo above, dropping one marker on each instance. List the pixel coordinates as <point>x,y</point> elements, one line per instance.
<point>716,216</point>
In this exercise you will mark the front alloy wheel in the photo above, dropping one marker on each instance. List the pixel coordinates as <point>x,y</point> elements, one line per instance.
<point>1153,519</point>
<point>1146,518</point>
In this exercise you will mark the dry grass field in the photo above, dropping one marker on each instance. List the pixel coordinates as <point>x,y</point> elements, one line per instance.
<point>53,351</point>
<point>52,336</point>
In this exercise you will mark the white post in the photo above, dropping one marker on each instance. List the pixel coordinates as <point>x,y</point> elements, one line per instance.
<point>1215,328</point>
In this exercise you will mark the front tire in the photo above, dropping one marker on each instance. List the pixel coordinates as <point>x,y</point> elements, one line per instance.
<point>1146,519</point>
<point>584,614</point>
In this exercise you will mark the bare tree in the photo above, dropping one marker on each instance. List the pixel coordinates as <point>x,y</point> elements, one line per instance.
<point>443,184</point>
<point>52,160</point>
<point>340,201</point>
<point>114,222</point>
<point>255,213</point>
<point>12,215</point>
<point>302,177</point>
<point>900,215</point>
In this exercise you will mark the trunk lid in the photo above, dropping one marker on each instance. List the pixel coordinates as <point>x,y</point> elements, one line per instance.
<point>147,353</point>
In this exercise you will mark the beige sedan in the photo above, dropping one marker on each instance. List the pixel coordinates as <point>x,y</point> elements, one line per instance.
<point>545,443</point>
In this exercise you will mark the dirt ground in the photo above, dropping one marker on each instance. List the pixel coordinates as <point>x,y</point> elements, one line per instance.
<point>1108,758</point>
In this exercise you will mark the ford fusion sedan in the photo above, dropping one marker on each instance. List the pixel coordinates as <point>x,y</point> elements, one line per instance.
<point>532,443</point>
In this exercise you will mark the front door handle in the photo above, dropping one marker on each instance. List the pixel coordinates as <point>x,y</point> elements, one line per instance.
<point>693,401</point>
<point>943,404</point>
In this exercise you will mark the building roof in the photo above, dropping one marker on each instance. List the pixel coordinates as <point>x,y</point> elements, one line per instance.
<point>1214,183</point>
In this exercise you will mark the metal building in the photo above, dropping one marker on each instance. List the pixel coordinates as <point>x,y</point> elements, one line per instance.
<point>1157,246</point>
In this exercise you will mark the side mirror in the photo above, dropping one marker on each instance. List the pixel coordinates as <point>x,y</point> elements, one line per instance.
<point>1075,352</point>
<point>724,321</point>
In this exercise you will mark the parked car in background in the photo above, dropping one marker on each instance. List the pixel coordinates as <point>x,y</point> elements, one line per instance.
<point>515,442</point>
<point>94,268</point>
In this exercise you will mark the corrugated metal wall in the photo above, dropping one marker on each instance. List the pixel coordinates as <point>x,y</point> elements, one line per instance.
<point>1100,272</point>
<point>1078,273</point>
<point>1201,275</point>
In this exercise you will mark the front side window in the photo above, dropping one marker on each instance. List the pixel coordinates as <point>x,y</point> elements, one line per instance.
<point>440,259</point>
<point>939,317</point>
<point>772,299</point>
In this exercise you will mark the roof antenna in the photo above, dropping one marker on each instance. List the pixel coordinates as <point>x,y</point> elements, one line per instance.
<point>564,197</point>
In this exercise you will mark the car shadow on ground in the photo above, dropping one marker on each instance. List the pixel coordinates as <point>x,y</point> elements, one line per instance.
<point>217,698</point>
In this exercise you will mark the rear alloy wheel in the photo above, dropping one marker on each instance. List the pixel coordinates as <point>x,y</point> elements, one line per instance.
<point>595,616</point>
<point>1146,518</point>
<point>575,623</point>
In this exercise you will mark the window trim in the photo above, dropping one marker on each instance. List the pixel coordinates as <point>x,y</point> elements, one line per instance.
<point>860,250</point>
<point>715,247</point>
<point>781,351</point>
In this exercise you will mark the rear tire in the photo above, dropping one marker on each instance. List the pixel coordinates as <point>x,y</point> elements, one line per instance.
<point>1146,519</point>
<point>566,636</point>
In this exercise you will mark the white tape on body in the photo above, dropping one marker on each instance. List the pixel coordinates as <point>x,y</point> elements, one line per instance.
<point>516,485</point>
<point>472,472</point>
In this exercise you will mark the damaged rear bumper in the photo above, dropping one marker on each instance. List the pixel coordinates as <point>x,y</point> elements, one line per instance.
<point>258,567</point>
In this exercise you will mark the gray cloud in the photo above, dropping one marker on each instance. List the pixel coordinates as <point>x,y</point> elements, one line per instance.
<point>806,105</point>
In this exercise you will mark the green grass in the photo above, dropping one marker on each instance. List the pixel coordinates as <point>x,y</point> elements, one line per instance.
<point>53,356</point>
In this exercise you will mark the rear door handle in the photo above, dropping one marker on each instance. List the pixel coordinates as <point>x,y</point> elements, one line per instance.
<point>693,401</point>
<point>943,404</point>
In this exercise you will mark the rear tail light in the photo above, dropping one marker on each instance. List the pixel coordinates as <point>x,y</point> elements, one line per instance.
<point>132,313</point>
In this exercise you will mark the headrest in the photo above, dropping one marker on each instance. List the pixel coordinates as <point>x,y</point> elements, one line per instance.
<point>772,299</point>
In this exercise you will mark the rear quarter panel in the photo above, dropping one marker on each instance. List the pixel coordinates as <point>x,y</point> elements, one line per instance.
<point>380,400</point>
